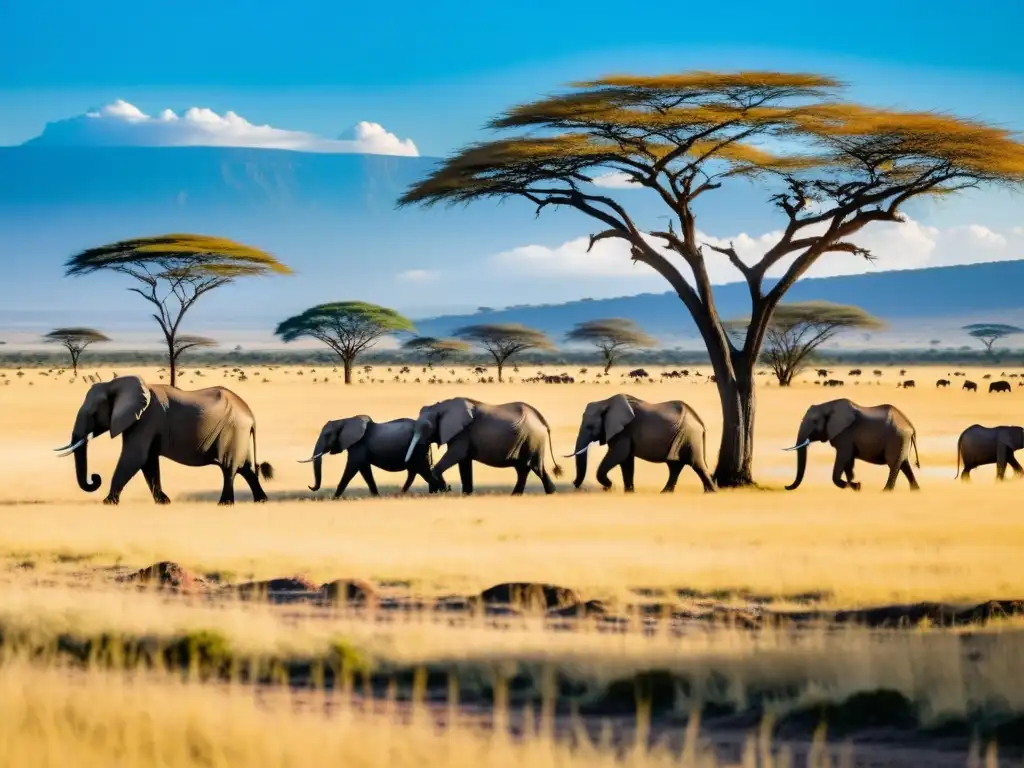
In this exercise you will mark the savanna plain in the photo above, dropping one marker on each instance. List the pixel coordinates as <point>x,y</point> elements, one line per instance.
<point>748,627</point>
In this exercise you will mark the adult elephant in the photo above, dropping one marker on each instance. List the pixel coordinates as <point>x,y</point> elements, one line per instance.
<point>980,445</point>
<point>663,433</point>
<point>507,435</point>
<point>371,444</point>
<point>197,429</point>
<point>999,386</point>
<point>877,434</point>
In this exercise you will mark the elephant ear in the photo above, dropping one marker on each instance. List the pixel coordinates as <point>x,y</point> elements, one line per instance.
<point>840,417</point>
<point>352,431</point>
<point>131,398</point>
<point>620,414</point>
<point>455,416</point>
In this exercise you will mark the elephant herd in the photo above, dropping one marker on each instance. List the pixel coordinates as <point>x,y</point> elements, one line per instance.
<point>214,426</point>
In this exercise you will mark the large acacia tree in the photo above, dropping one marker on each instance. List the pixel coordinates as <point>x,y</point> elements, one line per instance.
<point>836,168</point>
<point>796,330</point>
<point>989,333</point>
<point>436,350</point>
<point>75,341</point>
<point>612,336</point>
<point>173,272</point>
<point>347,327</point>
<point>503,340</point>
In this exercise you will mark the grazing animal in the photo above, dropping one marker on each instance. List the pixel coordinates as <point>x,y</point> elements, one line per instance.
<point>196,428</point>
<point>834,383</point>
<point>877,434</point>
<point>999,386</point>
<point>854,372</point>
<point>908,384</point>
<point>822,373</point>
<point>942,383</point>
<point>372,444</point>
<point>980,445</point>
<point>639,373</point>
<point>663,433</point>
<point>508,435</point>
<point>970,386</point>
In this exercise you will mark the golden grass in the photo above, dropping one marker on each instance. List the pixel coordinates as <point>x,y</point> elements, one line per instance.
<point>948,542</point>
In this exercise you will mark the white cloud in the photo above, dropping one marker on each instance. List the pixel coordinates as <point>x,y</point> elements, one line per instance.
<point>124,124</point>
<point>418,275</point>
<point>614,180</point>
<point>910,245</point>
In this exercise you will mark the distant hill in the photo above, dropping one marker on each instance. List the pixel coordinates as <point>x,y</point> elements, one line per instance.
<point>913,302</point>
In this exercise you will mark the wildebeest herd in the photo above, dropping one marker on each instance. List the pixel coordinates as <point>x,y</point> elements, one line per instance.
<point>214,426</point>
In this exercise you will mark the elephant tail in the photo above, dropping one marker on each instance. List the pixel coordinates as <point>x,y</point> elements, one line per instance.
<point>917,456</point>
<point>555,469</point>
<point>265,468</point>
<point>959,454</point>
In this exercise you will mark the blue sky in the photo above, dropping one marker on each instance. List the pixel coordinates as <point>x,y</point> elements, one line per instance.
<point>434,73</point>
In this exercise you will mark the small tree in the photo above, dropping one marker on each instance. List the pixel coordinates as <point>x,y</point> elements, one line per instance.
<point>174,271</point>
<point>437,350</point>
<point>989,333</point>
<point>503,340</point>
<point>74,340</point>
<point>796,330</point>
<point>347,327</point>
<point>186,342</point>
<point>612,336</point>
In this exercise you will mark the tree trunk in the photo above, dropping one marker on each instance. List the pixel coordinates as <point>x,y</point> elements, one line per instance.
<point>172,363</point>
<point>735,381</point>
<point>347,363</point>
<point>501,364</point>
<point>608,360</point>
<point>74,364</point>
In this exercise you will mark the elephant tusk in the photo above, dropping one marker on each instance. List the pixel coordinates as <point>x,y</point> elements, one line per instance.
<point>581,450</point>
<point>795,447</point>
<point>71,449</point>
<point>63,447</point>
<point>412,446</point>
<point>311,458</point>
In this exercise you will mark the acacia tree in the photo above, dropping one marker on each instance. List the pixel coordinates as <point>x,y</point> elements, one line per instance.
<point>796,330</point>
<point>989,333</point>
<point>838,168</point>
<point>436,350</point>
<point>347,327</point>
<point>174,271</point>
<point>185,342</point>
<point>75,340</point>
<point>611,336</point>
<point>502,340</point>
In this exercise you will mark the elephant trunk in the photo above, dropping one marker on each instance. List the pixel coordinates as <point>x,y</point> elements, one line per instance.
<point>580,454</point>
<point>801,462</point>
<point>318,463</point>
<point>82,469</point>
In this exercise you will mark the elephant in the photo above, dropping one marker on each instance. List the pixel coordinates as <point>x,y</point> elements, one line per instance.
<point>195,428</point>
<point>506,435</point>
<point>970,386</point>
<point>989,445</point>
<point>664,433</point>
<point>877,434</point>
<point>999,386</point>
<point>371,444</point>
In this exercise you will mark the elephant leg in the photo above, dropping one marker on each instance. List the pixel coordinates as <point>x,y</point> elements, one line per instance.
<point>894,471</point>
<point>128,465</point>
<point>545,478</point>
<point>842,460</point>
<point>1017,469</point>
<point>705,479</point>
<point>674,468</point>
<point>446,462</point>
<point>617,454</point>
<point>410,475</point>
<point>253,481</point>
<point>965,474</point>
<point>367,473</point>
<point>908,472</point>
<point>849,476</point>
<point>628,467</point>
<point>1001,461</point>
<point>465,475</point>
<point>227,494</point>
<point>522,472</point>
<point>151,471</point>
<point>346,477</point>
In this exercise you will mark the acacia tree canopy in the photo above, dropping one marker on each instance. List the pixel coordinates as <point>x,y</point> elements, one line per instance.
<point>989,333</point>
<point>796,330</point>
<point>174,271</point>
<point>74,340</point>
<point>436,349</point>
<point>830,168</point>
<point>611,336</point>
<point>347,327</point>
<point>503,340</point>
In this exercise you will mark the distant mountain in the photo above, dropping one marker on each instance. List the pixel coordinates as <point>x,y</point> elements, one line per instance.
<point>919,304</point>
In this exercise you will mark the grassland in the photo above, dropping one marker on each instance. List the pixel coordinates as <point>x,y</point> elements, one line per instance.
<point>815,547</point>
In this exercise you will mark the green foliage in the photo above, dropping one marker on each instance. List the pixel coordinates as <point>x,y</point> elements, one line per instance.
<point>502,340</point>
<point>436,349</point>
<point>611,336</point>
<point>79,337</point>
<point>989,333</point>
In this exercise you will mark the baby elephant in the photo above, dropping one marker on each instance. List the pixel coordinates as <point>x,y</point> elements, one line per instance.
<point>989,445</point>
<point>370,444</point>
